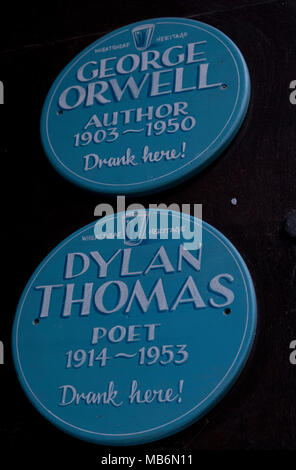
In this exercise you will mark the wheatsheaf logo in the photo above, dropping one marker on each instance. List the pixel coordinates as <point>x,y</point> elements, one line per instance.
<point>142,36</point>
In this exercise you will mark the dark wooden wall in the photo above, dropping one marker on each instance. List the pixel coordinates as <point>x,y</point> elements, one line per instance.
<point>39,209</point>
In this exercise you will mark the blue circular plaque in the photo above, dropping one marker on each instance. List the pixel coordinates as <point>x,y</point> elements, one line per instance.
<point>145,106</point>
<point>125,340</point>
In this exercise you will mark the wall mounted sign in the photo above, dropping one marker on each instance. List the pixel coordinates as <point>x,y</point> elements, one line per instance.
<point>145,106</point>
<point>121,341</point>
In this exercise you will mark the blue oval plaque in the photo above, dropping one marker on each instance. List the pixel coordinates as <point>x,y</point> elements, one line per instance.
<point>145,106</point>
<point>122,341</point>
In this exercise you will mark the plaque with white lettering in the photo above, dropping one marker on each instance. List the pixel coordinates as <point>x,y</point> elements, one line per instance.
<point>146,106</point>
<point>129,338</point>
